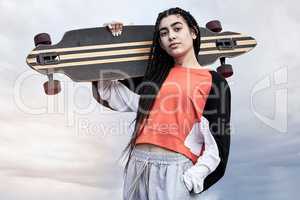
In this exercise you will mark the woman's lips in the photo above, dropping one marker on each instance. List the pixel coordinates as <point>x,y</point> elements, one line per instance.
<point>173,45</point>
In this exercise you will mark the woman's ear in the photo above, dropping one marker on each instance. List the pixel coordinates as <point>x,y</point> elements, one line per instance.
<point>194,32</point>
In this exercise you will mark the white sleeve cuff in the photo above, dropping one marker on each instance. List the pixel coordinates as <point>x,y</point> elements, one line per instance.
<point>194,178</point>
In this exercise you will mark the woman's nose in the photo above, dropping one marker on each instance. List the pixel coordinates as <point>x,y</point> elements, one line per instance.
<point>172,35</point>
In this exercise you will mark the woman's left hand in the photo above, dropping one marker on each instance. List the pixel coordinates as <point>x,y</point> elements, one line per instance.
<point>194,178</point>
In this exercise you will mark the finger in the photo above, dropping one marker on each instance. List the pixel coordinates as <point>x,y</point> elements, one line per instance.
<point>120,28</point>
<point>120,32</point>
<point>114,29</point>
<point>120,25</point>
<point>110,29</point>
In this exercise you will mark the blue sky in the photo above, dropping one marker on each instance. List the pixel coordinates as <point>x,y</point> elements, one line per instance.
<point>66,146</point>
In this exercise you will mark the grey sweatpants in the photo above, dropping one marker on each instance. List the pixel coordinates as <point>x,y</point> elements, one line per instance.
<point>156,176</point>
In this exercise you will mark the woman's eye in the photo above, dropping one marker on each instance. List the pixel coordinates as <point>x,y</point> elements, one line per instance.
<point>163,34</point>
<point>177,29</point>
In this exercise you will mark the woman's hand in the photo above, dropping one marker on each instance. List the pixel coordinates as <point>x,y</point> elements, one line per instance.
<point>115,27</point>
<point>194,178</point>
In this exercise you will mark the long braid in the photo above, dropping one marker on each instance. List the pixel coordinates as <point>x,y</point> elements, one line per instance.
<point>158,68</point>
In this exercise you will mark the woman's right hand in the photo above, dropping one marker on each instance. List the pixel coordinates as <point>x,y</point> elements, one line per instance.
<point>114,27</point>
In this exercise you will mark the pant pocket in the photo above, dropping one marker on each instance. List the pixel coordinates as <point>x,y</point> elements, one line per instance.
<point>185,167</point>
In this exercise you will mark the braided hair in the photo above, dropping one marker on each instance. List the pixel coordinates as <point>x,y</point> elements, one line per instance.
<point>158,68</point>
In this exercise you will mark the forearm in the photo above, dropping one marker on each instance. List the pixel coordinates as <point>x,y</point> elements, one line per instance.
<point>210,156</point>
<point>206,163</point>
<point>117,96</point>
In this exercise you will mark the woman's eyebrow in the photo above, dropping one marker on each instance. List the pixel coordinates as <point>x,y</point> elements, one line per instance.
<point>174,24</point>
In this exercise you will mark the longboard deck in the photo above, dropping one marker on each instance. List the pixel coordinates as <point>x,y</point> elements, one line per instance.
<point>94,54</point>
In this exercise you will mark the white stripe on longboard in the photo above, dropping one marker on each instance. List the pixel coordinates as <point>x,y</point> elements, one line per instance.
<point>222,37</point>
<point>92,47</point>
<point>97,54</point>
<point>31,60</point>
<point>129,51</point>
<point>127,59</point>
<point>104,53</point>
<point>127,44</point>
<point>93,62</point>
<point>225,51</point>
<point>142,50</point>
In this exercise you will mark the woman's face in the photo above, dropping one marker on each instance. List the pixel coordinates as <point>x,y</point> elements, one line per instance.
<point>176,38</point>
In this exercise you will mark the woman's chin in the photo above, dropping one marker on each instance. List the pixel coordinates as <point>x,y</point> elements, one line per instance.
<point>177,54</point>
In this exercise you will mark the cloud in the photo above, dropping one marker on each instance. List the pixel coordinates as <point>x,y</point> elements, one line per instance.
<point>66,146</point>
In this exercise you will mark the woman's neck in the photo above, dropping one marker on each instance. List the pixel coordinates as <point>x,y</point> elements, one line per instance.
<point>188,60</point>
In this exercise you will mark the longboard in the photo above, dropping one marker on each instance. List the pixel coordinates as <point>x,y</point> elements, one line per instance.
<point>86,55</point>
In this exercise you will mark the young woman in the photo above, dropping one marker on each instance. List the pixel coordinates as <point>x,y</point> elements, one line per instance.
<point>175,152</point>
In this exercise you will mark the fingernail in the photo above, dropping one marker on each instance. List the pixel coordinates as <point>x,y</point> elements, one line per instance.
<point>109,26</point>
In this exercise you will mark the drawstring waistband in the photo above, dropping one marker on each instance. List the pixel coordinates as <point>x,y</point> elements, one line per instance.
<point>147,157</point>
<point>134,184</point>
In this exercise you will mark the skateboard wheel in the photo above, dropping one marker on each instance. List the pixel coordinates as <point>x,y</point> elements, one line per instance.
<point>225,70</point>
<point>214,26</point>
<point>42,38</point>
<point>52,87</point>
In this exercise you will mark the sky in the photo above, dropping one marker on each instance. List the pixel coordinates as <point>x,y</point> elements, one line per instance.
<point>67,145</point>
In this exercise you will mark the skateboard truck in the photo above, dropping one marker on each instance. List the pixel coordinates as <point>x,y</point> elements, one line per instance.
<point>48,58</point>
<point>225,69</point>
<point>45,58</point>
<point>52,87</point>
<point>222,44</point>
